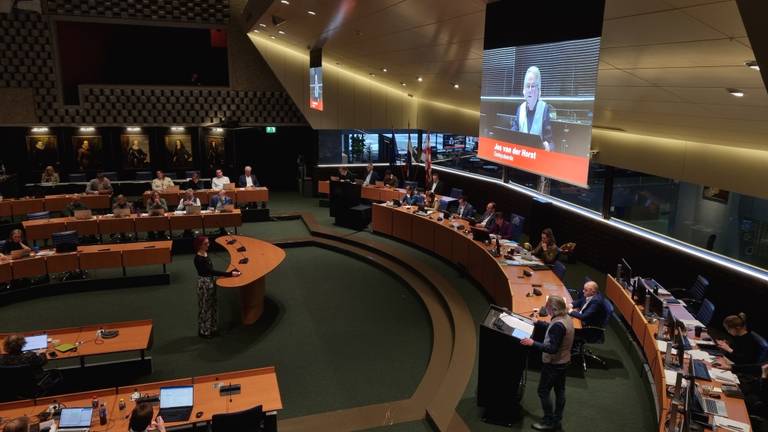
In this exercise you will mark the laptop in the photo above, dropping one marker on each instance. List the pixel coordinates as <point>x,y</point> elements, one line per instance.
<point>121,212</point>
<point>83,214</point>
<point>480,234</point>
<point>193,210</point>
<point>75,419</point>
<point>176,403</point>
<point>35,343</point>
<point>229,186</point>
<point>710,405</point>
<point>20,253</point>
<point>227,208</point>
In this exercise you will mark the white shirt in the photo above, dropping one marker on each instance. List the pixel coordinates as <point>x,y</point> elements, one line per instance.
<point>434,186</point>
<point>368,179</point>
<point>217,183</point>
<point>248,181</point>
<point>586,303</point>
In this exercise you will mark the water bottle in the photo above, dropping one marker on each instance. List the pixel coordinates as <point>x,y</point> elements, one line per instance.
<point>102,414</point>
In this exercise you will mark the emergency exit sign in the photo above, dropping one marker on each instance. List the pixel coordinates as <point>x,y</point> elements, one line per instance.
<point>271,129</point>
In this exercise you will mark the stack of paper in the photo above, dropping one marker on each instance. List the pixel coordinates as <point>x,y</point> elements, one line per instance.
<point>728,424</point>
<point>701,355</point>
<point>724,376</point>
<point>663,347</point>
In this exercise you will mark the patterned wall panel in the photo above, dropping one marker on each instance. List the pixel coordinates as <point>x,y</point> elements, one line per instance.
<point>200,11</point>
<point>26,59</point>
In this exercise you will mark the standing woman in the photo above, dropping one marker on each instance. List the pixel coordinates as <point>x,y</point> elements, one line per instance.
<point>207,318</point>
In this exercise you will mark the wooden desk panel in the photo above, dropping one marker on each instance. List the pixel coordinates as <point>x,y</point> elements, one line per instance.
<point>42,229</point>
<point>96,201</point>
<point>116,225</point>
<point>62,262</point>
<point>460,250</point>
<point>443,242</point>
<point>204,195</point>
<point>222,220</point>
<point>381,219</point>
<point>6,208</point>
<point>324,187</point>
<point>6,274</point>
<point>104,257</point>
<point>84,227</point>
<point>25,206</point>
<point>423,233</point>
<point>371,193</point>
<point>152,223</point>
<point>247,195</point>
<point>185,222</point>
<point>57,202</point>
<point>150,254</point>
<point>402,227</point>
<point>28,267</point>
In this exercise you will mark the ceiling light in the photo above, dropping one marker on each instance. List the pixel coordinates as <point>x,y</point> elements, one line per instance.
<point>133,129</point>
<point>736,92</point>
<point>419,79</point>
<point>384,69</point>
<point>87,129</point>
<point>285,2</point>
<point>281,32</point>
<point>313,13</point>
<point>39,129</point>
<point>402,83</point>
<point>255,31</point>
<point>218,130</point>
<point>455,85</point>
<point>263,25</point>
<point>372,74</point>
<point>752,64</point>
<point>272,36</point>
<point>177,128</point>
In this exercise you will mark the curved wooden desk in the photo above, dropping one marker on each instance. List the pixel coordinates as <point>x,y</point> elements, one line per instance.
<point>262,257</point>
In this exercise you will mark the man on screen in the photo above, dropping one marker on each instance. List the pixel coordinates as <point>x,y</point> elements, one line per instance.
<point>533,114</point>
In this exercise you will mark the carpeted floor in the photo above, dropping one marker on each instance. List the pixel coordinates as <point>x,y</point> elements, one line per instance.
<point>340,332</point>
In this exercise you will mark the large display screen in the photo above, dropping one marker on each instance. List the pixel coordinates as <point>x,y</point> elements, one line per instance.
<point>316,88</point>
<point>538,87</point>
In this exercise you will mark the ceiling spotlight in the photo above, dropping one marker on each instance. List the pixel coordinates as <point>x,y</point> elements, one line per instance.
<point>735,92</point>
<point>313,13</point>
<point>263,25</point>
<point>752,64</point>
<point>285,2</point>
<point>384,69</point>
<point>402,83</point>
<point>272,36</point>
<point>87,129</point>
<point>133,129</point>
<point>419,79</point>
<point>39,129</point>
<point>177,128</point>
<point>256,31</point>
<point>372,74</point>
<point>281,32</point>
<point>455,85</point>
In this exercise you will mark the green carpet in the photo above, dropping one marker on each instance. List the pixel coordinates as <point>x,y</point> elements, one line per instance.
<point>340,332</point>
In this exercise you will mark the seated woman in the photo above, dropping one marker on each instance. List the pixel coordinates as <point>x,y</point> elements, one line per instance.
<point>141,419</point>
<point>155,202</point>
<point>121,203</point>
<point>744,349</point>
<point>188,200</point>
<point>15,242</point>
<point>13,345</point>
<point>49,175</point>
<point>431,202</point>
<point>547,249</point>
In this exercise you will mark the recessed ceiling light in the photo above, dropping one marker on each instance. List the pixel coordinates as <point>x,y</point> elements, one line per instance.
<point>402,83</point>
<point>752,64</point>
<point>384,69</point>
<point>455,85</point>
<point>372,74</point>
<point>256,31</point>
<point>285,2</point>
<point>281,32</point>
<point>735,92</point>
<point>263,25</point>
<point>419,79</point>
<point>313,13</point>
<point>272,36</point>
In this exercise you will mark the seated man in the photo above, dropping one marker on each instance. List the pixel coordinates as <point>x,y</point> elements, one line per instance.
<point>155,202</point>
<point>501,227</point>
<point>218,182</point>
<point>465,209</point>
<point>248,180</point>
<point>188,200</point>
<point>370,175</point>
<point>75,204</point>
<point>488,219</point>
<point>121,203</point>
<point>218,202</point>
<point>590,308</point>
<point>411,198</point>
<point>99,185</point>
<point>161,182</point>
<point>435,185</point>
<point>194,182</point>
<point>390,180</point>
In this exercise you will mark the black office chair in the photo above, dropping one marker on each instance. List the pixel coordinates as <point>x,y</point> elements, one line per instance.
<point>456,193</point>
<point>22,382</point>
<point>411,183</point>
<point>706,312</point>
<point>189,174</point>
<point>694,295</point>
<point>590,335</point>
<point>77,178</point>
<point>559,269</point>
<point>67,241</point>
<point>111,175</point>
<point>39,215</point>
<point>143,175</point>
<point>517,222</point>
<point>252,419</point>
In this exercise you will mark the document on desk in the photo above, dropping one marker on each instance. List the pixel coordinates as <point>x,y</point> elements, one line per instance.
<point>728,424</point>
<point>520,262</point>
<point>670,377</point>
<point>724,376</point>
<point>663,347</point>
<point>521,329</point>
<point>701,355</point>
<point>691,323</point>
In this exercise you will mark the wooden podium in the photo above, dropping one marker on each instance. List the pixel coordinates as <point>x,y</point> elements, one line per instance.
<point>262,257</point>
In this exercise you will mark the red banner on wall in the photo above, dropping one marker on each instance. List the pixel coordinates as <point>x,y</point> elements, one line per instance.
<point>559,166</point>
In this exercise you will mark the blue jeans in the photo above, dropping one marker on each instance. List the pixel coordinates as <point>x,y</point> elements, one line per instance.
<point>552,377</point>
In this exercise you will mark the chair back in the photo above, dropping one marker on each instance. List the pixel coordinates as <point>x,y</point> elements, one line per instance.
<point>456,192</point>
<point>252,419</point>
<point>699,288</point>
<point>143,175</point>
<point>705,312</point>
<point>559,269</point>
<point>608,311</point>
<point>171,175</point>
<point>762,356</point>
<point>18,382</point>
<point>39,215</point>
<point>65,241</point>
<point>517,222</point>
<point>77,178</point>
<point>189,174</point>
<point>411,183</point>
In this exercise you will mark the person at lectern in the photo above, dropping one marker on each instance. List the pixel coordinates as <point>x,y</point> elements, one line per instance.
<point>555,357</point>
<point>533,114</point>
<point>547,249</point>
<point>207,317</point>
<point>435,185</point>
<point>345,174</point>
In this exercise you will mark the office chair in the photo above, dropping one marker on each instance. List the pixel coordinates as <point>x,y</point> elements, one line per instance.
<point>763,344</point>
<point>252,419</point>
<point>456,193</point>
<point>111,175</point>
<point>77,178</point>
<point>517,222</point>
<point>171,175</point>
<point>694,295</point>
<point>706,312</point>
<point>189,174</point>
<point>39,215</point>
<point>411,183</point>
<point>592,335</point>
<point>67,241</point>
<point>559,269</point>
<point>143,175</point>
<point>20,382</point>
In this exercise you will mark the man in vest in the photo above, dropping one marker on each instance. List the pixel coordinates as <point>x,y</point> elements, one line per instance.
<point>555,356</point>
<point>533,114</point>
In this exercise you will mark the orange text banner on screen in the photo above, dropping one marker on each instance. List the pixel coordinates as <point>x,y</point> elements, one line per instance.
<point>559,166</point>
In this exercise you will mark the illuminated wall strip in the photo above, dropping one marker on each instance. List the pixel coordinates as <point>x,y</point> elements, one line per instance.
<point>351,165</point>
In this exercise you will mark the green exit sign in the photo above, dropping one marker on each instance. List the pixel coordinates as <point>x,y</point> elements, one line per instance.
<point>271,129</point>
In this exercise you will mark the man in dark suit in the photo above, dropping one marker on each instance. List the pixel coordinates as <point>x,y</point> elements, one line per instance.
<point>435,185</point>
<point>465,209</point>
<point>590,308</point>
<point>248,180</point>
<point>370,176</point>
<point>501,227</point>
<point>488,219</point>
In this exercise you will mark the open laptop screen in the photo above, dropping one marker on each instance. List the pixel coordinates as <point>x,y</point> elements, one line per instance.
<point>37,342</point>
<point>75,417</point>
<point>174,397</point>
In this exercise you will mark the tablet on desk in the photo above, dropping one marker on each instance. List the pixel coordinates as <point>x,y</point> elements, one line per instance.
<point>35,343</point>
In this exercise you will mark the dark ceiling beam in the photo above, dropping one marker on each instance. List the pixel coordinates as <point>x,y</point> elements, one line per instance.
<point>253,11</point>
<point>753,14</point>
